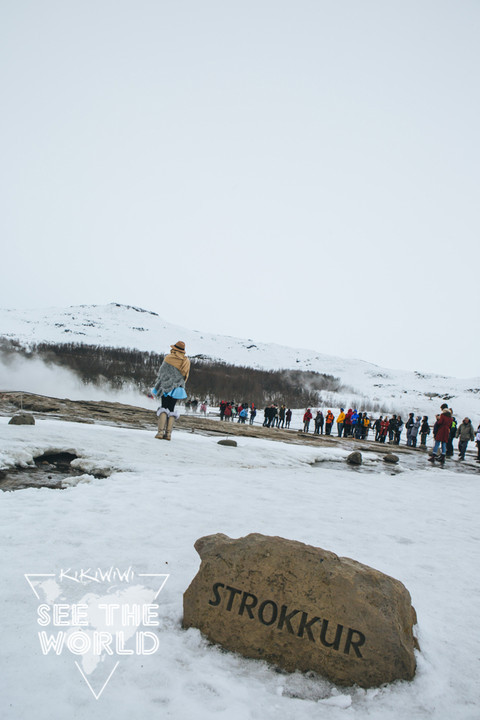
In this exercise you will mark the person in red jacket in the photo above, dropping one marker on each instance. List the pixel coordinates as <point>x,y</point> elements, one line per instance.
<point>441,433</point>
<point>306,420</point>
<point>383,431</point>
<point>347,427</point>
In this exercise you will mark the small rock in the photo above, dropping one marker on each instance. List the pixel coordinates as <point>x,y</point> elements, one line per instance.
<point>390,458</point>
<point>355,458</point>
<point>228,442</point>
<point>22,419</point>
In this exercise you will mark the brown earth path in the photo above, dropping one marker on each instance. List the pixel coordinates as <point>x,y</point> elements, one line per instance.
<point>112,413</point>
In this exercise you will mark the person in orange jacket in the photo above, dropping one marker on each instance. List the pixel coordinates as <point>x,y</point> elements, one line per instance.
<point>329,422</point>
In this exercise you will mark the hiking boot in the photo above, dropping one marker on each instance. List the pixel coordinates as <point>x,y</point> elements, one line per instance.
<point>169,428</point>
<point>162,423</point>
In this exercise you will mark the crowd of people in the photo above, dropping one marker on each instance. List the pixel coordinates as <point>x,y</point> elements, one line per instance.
<point>170,387</point>
<point>359,425</point>
<point>230,411</point>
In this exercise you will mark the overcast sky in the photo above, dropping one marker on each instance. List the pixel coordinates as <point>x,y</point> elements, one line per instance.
<point>300,172</point>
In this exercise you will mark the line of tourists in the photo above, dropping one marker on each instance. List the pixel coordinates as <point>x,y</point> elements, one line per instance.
<point>357,425</point>
<point>170,387</point>
<point>349,424</point>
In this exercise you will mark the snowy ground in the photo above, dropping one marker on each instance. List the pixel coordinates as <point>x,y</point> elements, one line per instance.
<point>419,526</point>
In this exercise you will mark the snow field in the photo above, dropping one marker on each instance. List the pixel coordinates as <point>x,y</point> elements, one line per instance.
<point>420,526</point>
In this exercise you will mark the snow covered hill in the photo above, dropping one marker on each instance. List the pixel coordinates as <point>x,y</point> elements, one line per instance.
<point>118,325</point>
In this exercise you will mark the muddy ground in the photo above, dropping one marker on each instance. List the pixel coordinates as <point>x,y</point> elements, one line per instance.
<point>109,413</point>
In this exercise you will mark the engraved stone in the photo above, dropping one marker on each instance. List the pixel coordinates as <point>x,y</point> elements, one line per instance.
<point>302,608</point>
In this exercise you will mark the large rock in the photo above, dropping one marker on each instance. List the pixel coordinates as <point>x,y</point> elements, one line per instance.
<point>302,608</point>
<point>22,419</point>
<point>355,458</point>
<point>390,458</point>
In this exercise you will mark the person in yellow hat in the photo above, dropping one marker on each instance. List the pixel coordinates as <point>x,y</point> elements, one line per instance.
<point>170,387</point>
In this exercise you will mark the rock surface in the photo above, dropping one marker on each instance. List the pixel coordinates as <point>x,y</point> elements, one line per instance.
<point>118,414</point>
<point>302,608</point>
<point>22,419</point>
<point>390,458</point>
<point>228,442</point>
<point>355,458</point>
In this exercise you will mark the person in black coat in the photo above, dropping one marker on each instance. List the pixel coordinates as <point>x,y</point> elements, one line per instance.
<point>392,428</point>
<point>424,431</point>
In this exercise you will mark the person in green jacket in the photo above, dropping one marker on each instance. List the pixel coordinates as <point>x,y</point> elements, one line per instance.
<point>464,434</point>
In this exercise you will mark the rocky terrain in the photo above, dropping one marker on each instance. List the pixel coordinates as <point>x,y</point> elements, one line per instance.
<point>112,413</point>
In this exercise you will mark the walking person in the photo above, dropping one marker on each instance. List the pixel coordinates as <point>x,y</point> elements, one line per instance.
<point>329,418</point>
<point>223,405</point>
<point>273,415</point>
<point>170,387</point>
<point>306,420</point>
<point>376,426</point>
<point>353,423</point>
<point>424,431</point>
<point>392,426</point>
<point>441,434</point>
<point>347,425</point>
<point>383,430</point>
<point>453,433</point>
<point>398,430</point>
<point>340,422</point>
<point>365,426</point>
<point>408,427</point>
<point>321,420</point>
<point>415,429</point>
<point>464,434</point>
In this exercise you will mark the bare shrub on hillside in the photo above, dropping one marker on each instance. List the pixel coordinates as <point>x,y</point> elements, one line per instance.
<point>209,379</point>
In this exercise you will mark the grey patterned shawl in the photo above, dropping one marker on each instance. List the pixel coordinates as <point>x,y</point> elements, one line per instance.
<point>168,379</point>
